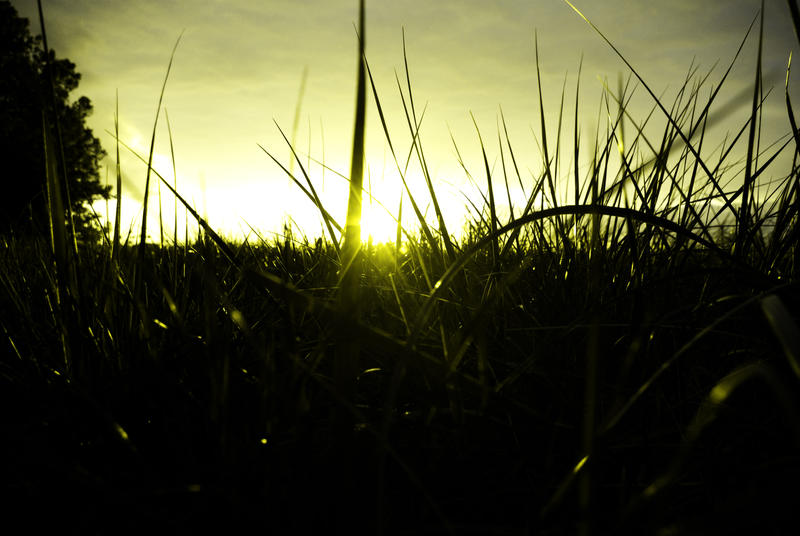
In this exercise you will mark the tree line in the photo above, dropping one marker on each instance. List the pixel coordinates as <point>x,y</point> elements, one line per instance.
<point>30,101</point>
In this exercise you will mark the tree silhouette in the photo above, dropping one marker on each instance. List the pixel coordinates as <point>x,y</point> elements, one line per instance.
<point>24,99</point>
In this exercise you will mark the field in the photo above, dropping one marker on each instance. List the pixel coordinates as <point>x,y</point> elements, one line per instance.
<point>626,362</point>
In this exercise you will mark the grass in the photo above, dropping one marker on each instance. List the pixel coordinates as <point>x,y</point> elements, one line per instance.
<point>625,361</point>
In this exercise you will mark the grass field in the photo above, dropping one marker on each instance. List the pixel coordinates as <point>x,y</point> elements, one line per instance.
<point>626,362</point>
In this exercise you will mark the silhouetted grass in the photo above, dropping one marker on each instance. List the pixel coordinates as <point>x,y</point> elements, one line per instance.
<point>622,358</point>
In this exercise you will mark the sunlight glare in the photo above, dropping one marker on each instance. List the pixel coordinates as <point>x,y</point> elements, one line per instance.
<point>377,225</point>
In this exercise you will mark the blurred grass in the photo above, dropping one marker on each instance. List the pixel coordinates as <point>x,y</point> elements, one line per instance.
<point>622,363</point>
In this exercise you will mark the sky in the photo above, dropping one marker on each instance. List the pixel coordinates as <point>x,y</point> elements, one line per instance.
<point>237,73</point>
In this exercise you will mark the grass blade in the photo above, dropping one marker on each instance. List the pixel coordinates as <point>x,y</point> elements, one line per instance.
<point>347,351</point>
<point>492,209</point>
<point>417,144</point>
<point>118,209</point>
<point>742,245</point>
<point>143,235</point>
<point>795,17</point>
<point>420,217</point>
<point>667,114</point>
<point>785,329</point>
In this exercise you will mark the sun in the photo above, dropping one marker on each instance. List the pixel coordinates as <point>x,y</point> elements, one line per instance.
<point>377,225</point>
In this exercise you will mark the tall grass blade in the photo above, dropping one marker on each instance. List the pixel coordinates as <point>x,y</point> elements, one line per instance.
<point>743,232</point>
<point>789,109</point>
<point>313,191</point>
<point>312,196</point>
<point>399,236</point>
<point>160,219</point>
<point>505,173</point>
<point>346,360</point>
<point>513,239</point>
<point>143,235</point>
<point>402,172</point>
<point>448,244</point>
<point>352,230</point>
<point>546,160</point>
<point>175,214</point>
<point>542,124</point>
<point>492,209</point>
<point>115,245</point>
<point>58,229</point>
<point>576,140</point>
<point>58,153</point>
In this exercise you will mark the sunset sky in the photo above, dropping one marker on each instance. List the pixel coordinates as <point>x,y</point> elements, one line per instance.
<point>239,66</point>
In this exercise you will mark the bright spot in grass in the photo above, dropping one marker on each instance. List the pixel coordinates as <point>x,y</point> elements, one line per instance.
<point>122,433</point>
<point>719,393</point>
<point>263,440</point>
<point>580,465</point>
<point>238,319</point>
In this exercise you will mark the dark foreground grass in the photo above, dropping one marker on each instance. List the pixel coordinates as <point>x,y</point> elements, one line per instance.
<point>221,409</point>
<point>619,362</point>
